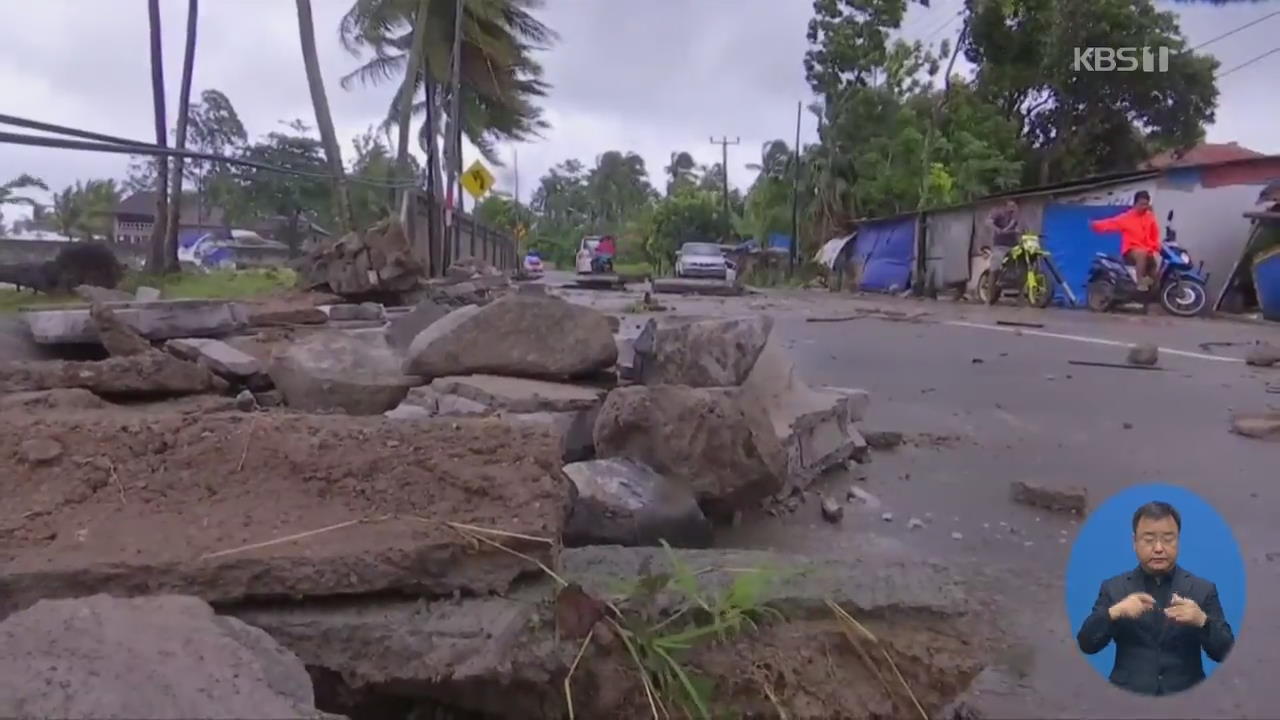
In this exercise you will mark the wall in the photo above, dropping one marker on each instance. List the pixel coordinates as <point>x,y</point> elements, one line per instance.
<point>470,239</point>
<point>19,251</point>
<point>1120,194</point>
<point>1210,223</point>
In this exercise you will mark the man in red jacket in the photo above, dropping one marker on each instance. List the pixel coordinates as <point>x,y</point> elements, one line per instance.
<point>1139,238</point>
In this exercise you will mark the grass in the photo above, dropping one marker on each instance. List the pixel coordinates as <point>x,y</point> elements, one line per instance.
<point>218,285</point>
<point>633,268</point>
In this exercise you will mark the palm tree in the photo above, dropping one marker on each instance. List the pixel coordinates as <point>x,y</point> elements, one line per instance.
<point>680,172</point>
<point>156,257</point>
<point>7,197</point>
<point>184,111</point>
<point>775,159</point>
<point>324,121</point>
<point>499,77</point>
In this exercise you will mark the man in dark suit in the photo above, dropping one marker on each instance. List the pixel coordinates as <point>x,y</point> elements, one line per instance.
<point>1159,615</point>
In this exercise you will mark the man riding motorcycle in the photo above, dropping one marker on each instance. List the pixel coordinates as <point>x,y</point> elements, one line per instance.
<point>1139,238</point>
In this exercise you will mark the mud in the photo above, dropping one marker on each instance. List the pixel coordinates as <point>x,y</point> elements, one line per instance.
<point>148,503</point>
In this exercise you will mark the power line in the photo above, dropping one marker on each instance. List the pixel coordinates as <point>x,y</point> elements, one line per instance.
<point>1246,63</point>
<point>1233,31</point>
<point>944,25</point>
<point>125,146</point>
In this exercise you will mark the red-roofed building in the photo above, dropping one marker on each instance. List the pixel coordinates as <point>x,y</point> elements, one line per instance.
<point>1202,154</point>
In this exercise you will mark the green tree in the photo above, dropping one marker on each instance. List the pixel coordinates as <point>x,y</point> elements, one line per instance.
<point>682,172</point>
<point>687,216</point>
<point>8,191</point>
<point>85,210</point>
<point>299,198</point>
<point>1078,122</point>
<point>215,129</point>
<point>616,187</point>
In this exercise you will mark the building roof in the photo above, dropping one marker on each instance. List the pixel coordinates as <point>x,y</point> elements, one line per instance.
<point>1202,154</point>
<point>144,203</point>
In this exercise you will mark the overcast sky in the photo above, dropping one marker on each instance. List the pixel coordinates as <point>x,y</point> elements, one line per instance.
<point>651,76</point>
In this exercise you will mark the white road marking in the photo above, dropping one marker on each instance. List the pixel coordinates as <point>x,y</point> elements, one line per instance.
<point>1085,339</point>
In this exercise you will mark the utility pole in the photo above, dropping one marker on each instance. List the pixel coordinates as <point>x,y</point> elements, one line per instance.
<point>724,144</point>
<point>456,140</point>
<point>795,194</point>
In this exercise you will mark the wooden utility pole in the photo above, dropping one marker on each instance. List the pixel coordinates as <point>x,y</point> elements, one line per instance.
<point>724,144</point>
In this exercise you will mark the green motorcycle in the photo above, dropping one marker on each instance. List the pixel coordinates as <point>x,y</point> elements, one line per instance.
<point>1027,270</point>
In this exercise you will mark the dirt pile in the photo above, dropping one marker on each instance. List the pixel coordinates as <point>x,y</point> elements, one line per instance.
<point>199,504</point>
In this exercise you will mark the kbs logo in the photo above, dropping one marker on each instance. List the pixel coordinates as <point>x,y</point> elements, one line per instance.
<point>1126,59</point>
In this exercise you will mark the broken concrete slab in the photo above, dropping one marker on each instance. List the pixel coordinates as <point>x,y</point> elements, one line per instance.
<point>402,330</point>
<point>574,428</point>
<point>16,343</point>
<point>230,506</point>
<point>165,657</point>
<point>624,502</point>
<point>884,439</point>
<point>718,441</point>
<point>520,395</point>
<point>328,371</point>
<point>813,427</point>
<point>1069,500</point>
<point>700,352</point>
<point>368,311</point>
<point>59,399</point>
<point>151,374</point>
<point>857,404</point>
<point>1262,426</point>
<point>1263,355</point>
<point>691,286</point>
<point>162,320</point>
<point>460,650</point>
<point>405,411</point>
<point>521,336</point>
<point>216,355</point>
<point>283,314</point>
<point>95,294</point>
<point>146,294</point>
<point>119,339</point>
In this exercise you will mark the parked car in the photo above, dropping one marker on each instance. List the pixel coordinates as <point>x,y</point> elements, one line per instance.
<point>701,260</point>
<point>533,264</point>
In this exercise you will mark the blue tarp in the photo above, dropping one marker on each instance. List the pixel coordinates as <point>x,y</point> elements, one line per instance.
<point>1067,236</point>
<point>780,241</point>
<point>886,251</point>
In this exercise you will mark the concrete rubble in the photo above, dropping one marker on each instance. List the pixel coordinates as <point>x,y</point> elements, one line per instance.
<point>339,371</point>
<point>95,294</point>
<point>1143,355</point>
<point>700,352</point>
<point>403,329</point>
<point>151,374</point>
<point>356,312</point>
<point>522,336</point>
<point>623,502</point>
<point>216,355</point>
<point>1263,355</point>
<point>1260,426</point>
<point>162,320</point>
<point>369,262</point>
<point>718,441</point>
<point>165,657</point>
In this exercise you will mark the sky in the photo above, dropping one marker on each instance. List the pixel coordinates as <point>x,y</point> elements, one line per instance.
<point>649,76</point>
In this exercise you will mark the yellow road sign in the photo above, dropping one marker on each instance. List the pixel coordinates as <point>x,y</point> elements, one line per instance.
<point>477,180</point>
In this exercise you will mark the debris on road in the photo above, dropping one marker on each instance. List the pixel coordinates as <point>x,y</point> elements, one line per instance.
<point>700,352</point>
<point>832,511</point>
<point>1119,366</point>
<point>689,286</point>
<point>327,371</point>
<point>1069,500</point>
<point>1263,355</point>
<point>915,523</point>
<point>1012,323</point>
<point>1143,354</point>
<point>957,536</point>
<point>883,439</point>
<point>378,260</point>
<point>166,656</point>
<point>1262,426</point>
<point>623,502</point>
<point>887,517</point>
<point>857,494</point>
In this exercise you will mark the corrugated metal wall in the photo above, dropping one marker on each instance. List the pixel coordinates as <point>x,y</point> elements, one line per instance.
<point>948,237</point>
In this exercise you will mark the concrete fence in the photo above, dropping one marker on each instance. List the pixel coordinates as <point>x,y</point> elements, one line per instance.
<point>468,239</point>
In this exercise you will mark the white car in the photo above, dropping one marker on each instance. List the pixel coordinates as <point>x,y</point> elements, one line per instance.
<point>533,265</point>
<point>701,260</point>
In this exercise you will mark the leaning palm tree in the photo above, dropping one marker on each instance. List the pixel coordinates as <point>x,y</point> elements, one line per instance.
<point>500,80</point>
<point>7,196</point>
<point>324,121</point>
<point>156,256</point>
<point>184,111</point>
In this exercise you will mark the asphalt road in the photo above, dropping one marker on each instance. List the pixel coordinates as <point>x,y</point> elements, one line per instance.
<point>1014,408</point>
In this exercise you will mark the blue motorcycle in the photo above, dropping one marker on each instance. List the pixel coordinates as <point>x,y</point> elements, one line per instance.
<point>1181,290</point>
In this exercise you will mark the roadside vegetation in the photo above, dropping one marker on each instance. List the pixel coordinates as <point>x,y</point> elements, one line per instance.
<point>217,285</point>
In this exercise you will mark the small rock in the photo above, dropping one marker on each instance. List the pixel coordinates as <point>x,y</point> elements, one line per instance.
<point>406,411</point>
<point>1127,425</point>
<point>1144,355</point>
<point>1050,377</point>
<point>146,294</point>
<point>792,504</point>
<point>245,401</point>
<point>864,497</point>
<point>832,511</point>
<point>41,451</point>
<point>1260,426</point>
<point>269,398</point>
<point>883,439</point>
<point>977,361</point>
<point>957,536</point>
<point>1263,355</point>
<point>915,523</point>
<point>887,517</point>
<point>1072,500</point>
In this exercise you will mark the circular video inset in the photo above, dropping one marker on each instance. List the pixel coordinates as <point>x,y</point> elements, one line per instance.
<point>1155,589</point>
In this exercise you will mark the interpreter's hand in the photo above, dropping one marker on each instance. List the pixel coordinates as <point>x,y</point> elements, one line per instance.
<point>1132,606</point>
<point>1185,612</point>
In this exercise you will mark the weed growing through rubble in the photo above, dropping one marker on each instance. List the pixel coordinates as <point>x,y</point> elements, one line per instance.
<point>658,644</point>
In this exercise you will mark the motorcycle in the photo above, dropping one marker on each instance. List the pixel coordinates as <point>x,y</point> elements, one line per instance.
<point>1025,269</point>
<point>1180,290</point>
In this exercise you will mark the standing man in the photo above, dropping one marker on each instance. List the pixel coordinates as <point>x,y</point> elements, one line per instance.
<point>1139,238</point>
<point>1159,615</point>
<point>1005,229</point>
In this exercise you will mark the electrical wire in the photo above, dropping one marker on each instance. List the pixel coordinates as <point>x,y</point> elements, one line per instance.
<point>1246,63</point>
<point>124,146</point>
<point>1235,30</point>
